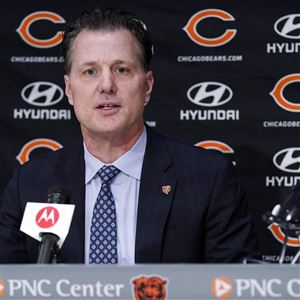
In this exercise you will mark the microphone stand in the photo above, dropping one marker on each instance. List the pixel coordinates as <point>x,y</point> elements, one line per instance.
<point>49,250</point>
<point>283,249</point>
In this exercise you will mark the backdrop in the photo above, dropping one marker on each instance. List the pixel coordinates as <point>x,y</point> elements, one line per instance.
<point>227,77</point>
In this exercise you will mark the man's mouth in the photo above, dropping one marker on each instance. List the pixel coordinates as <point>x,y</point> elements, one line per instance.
<point>109,108</point>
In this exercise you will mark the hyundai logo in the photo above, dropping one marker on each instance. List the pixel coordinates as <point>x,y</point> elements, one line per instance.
<point>288,160</point>
<point>209,93</point>
<point>288,26</point>
<point>42,93</point>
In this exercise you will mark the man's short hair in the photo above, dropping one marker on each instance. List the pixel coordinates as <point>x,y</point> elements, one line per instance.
<point>107,19</point>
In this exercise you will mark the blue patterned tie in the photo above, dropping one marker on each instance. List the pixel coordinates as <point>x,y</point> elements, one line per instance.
<point>103,239</point>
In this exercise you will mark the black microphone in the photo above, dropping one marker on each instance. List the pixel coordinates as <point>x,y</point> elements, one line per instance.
<point>290,209</point>
<point>49,250</point>
<point>287,216</point>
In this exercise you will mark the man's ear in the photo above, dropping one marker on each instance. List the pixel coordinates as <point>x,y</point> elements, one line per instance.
<point>149,86</point>
<point>68,89</point>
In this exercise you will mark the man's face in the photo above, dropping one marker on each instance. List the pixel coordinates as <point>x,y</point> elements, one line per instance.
<point>107,84</point>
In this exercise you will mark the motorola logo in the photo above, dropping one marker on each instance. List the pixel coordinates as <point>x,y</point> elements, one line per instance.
<point>288,26</point>
<point>47,217</point>
<point>288,160</point>
<point>209,94</point>
<point>42,93</point>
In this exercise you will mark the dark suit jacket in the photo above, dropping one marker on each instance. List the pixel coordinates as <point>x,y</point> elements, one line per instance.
<point>203,219</point>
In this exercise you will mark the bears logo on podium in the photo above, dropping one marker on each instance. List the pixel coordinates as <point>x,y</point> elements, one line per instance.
<point>152,287</point>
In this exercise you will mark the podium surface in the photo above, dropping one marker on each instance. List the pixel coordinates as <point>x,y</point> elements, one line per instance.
<point>155,282</point>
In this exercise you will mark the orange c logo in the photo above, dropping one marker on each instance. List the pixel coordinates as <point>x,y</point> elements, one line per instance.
<point>279,236</point>
<point>191,28</point>
<point>24,29</point>
<point>2,288</point>
<point>23,156</point>
<point>278,96</point>
<point>215,145</point>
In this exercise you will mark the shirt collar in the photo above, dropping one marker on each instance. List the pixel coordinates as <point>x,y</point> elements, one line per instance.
<point>130,163</point>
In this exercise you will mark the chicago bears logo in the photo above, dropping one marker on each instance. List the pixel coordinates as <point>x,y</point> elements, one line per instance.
<point>215,145</point>
<point>24,29</point>
<point>280,236</point>
<point>278,92</point>
<point>149,288</point>
<point>23,156</point>
<point>191,28</point>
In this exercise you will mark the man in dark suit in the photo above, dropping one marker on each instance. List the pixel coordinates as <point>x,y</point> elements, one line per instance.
<point>174,203</point>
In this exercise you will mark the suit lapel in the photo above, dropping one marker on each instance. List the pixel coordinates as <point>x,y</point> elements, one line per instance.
<point>73,172</point>
<point>155,198</point>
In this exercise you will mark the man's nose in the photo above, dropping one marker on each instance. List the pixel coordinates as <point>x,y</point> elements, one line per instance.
<point>107,84</point>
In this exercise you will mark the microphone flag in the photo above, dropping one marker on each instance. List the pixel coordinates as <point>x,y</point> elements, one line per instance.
<point>52,218</point>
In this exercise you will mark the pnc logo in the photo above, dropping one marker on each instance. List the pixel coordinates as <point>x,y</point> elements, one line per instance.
<point>23,156</point>
<point>280,236</point>
<point>2,291</point>
<point>221,287</point>
<point>191,28</point>
<point>47,217</point>
<point>153,287</point>
<point>209,94</point>
<point>215,145</point>
<point>42,93</point>
<point>24,29</point>
<point>288,160</point>
<point>288,26</point>
<point>278,91</point>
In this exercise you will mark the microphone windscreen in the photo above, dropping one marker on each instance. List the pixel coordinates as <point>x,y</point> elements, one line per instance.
<point>58,195</point>
<point>290,207</point>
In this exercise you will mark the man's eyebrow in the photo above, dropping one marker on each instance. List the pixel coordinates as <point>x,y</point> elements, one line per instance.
<point>87,64</point>
<point>123,61</point>
<point>115,62</point>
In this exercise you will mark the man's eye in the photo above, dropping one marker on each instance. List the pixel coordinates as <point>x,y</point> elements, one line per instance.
<point>122,70</point>
<point>90,72</point>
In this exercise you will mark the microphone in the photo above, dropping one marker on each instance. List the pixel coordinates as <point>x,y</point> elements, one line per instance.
<point>49,223</point>
<point>287,214</point>
<point>49,249</point>
<point>287,217</point>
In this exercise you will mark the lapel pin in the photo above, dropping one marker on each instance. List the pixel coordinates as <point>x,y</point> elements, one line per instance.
<point>166,189</point>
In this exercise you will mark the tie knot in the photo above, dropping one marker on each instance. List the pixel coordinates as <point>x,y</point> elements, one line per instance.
<point>107,173</point>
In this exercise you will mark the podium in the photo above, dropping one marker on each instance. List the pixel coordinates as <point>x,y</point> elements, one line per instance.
<point>155,282</point>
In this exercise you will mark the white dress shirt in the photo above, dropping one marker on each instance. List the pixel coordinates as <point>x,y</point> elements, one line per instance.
<point>125,189</point>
